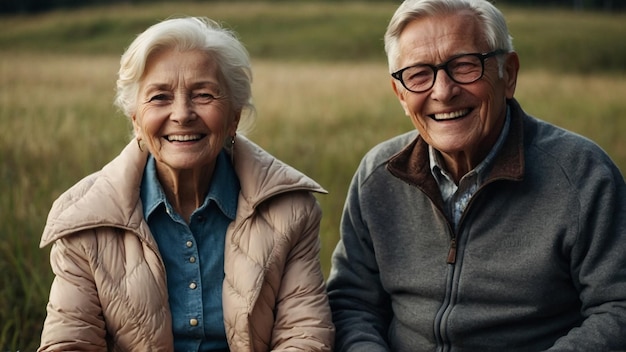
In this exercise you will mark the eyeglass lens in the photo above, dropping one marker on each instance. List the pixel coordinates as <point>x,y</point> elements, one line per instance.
<point>462,69</point>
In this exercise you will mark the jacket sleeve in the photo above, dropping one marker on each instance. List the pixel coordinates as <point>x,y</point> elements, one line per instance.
<point>74,319</point>
<point>597,263</point>
<point>361,307</point>
<point>303,318</point>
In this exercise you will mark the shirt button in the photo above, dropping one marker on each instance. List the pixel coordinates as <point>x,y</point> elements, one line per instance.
<point>193,322</point>
<point>192,259</point>
<point>193,286</point>
<point>189,244</point>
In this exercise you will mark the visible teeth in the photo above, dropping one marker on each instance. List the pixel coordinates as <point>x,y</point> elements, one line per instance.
<point>451,115</point>
<point>183,138</point>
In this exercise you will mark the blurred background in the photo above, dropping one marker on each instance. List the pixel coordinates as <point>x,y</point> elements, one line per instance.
<point>321,87</point>
<point>32,6</point>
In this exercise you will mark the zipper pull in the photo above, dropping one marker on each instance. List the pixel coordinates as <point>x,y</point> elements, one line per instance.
<point>452,252</point>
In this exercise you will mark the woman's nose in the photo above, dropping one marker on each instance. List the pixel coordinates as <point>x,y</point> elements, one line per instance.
<point>182,110</point>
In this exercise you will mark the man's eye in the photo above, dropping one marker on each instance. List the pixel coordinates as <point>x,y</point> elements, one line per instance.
<point>464,65</point>
<point>418,75</point>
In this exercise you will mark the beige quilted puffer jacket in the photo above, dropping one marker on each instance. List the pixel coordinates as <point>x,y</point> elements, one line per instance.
<point>110,292</point>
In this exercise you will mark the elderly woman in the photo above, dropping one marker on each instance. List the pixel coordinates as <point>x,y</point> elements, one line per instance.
<point>193,238</point>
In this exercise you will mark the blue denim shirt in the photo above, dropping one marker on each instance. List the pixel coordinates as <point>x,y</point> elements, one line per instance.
<point>194,255</point>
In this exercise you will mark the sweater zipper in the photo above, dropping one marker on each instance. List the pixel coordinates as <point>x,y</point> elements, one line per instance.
<point>441,317</point>
<point>452,285</point>
<point>453,241</point>
<point>452,251</point>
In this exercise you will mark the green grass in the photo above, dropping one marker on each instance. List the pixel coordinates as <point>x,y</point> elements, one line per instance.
<point>321,89</point>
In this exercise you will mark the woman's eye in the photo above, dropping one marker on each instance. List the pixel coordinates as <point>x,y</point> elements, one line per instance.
<point>158,97</point>
<point>203,97</point>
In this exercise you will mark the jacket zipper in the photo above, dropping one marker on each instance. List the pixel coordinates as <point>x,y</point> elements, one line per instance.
<point>449,301</point>
<point>441,316</point>
<point>450,297</point>
<point>452,251</point>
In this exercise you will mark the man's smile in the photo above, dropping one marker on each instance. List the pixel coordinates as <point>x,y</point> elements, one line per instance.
<point>449,116</point>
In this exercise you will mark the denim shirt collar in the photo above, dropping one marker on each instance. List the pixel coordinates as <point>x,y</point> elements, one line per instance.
<point>223,190</point>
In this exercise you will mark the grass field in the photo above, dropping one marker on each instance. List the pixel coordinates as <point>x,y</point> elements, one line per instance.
<point>323,100</point>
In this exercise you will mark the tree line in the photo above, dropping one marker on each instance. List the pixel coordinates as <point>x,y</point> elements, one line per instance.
<point>607,5</point>
<point>37,6</point>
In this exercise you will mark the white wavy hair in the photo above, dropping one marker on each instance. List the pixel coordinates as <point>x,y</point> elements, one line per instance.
<point>190,33</point>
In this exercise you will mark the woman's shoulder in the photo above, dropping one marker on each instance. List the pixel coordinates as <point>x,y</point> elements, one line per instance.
<point>58,215</point>
<point>263,175</point>
<point>108,197</point>
<point>73,194</point>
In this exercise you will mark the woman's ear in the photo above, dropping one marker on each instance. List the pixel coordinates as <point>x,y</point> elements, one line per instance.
<point>136,127</point>
<point>234,124</point>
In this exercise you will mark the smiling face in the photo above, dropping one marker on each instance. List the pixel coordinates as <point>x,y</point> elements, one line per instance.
<point>462,121</point>
<point>183,115</point>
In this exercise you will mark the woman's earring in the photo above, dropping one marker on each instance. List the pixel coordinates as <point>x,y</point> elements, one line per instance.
<point>232,150</point>
<point>139,143</point>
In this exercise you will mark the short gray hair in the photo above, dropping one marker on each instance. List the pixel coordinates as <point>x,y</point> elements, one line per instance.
<point>494,26</point>
<point>189,33</point>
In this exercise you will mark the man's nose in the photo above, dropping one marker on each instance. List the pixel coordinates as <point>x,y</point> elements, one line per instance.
<point>444,87</point>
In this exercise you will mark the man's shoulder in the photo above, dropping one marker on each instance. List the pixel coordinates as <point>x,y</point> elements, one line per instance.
<point>376,159</point>
<point>551,147</point>
<point>388,148</point>
<point>558,141</point>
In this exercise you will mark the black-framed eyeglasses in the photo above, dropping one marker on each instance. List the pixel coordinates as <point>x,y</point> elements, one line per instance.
<point>462,69</point>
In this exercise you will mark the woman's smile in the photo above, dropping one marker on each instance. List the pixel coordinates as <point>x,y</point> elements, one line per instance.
<point>184,137</point>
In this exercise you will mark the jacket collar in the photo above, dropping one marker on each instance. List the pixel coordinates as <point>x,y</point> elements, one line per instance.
<point>412,164</point>
<point>111,196</point>
<point>262,176</point>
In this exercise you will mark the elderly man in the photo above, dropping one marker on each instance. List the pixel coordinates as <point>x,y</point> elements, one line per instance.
<point>486,229</point>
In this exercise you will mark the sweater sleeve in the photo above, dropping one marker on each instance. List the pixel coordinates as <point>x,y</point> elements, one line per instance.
<point>598,265</point>
<point>361,306</point>
<point>74,316</point>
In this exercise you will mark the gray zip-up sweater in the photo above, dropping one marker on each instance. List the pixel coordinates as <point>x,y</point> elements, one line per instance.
<point>538,262</point>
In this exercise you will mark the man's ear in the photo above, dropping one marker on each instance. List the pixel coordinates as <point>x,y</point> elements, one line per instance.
<point>511,68</point>
<point>400,93</point>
